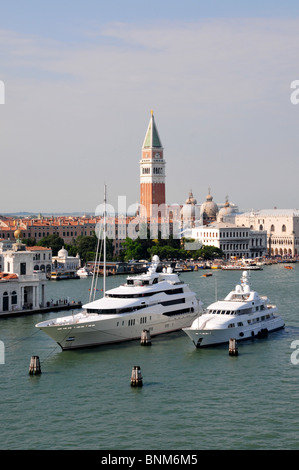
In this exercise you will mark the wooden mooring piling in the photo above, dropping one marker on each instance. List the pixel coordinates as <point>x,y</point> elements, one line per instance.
<point>145,338</point>
<point>233,347</point>
<point>136,377</point>
<point>34,367</point>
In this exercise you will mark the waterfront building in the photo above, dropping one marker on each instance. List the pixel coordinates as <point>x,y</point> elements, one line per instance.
<point>66,227</point>
<point>281,225</point>
<point>20,286</point>
<point>233,240</point>
<point>65,266</point>
<point>152,172</point>
<point>42,258</point>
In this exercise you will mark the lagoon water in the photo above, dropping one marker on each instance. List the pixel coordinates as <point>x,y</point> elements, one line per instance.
<point>190,400</point>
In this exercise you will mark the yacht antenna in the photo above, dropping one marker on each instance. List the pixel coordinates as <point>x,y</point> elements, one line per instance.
<point>104,235</point>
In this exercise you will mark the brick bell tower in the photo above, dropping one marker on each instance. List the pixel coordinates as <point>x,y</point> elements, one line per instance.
<point>152,170</point>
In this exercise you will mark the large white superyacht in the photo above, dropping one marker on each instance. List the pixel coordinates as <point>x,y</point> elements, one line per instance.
<point>156,301</point>
<point>243,314</point>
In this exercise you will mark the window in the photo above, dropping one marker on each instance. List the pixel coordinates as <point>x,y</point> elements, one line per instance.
<point>173,302</point>
<point>283,229</point>
<point>272,229</point>
<point>23,268</point>
<point>5,302</point>
<point>14,298</point>
<point>179,312</point>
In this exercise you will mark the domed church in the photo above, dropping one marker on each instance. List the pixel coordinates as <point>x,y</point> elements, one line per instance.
<point>209,209</point>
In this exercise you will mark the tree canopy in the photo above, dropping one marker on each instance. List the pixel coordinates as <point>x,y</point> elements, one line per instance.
<point>136,249</point>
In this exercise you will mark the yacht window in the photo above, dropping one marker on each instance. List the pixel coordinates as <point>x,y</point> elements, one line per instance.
<point>115,310</point>
<point>179,312</point>
<point>240,324</point>
<point>173,302</point>
<point>145,294</point>
<point>231,325</point>
<point>174,291</point>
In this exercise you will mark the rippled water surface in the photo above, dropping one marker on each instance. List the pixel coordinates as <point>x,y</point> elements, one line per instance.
<point>190,399</point>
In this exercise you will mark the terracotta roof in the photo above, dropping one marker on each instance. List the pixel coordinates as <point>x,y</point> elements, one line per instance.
<point>7,276</point>
<point>37,248</point>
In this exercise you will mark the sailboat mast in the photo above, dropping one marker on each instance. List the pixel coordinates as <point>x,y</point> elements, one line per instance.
<point>104,235</point>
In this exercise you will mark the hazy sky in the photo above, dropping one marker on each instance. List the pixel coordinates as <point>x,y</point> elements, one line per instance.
<point>81,78</point>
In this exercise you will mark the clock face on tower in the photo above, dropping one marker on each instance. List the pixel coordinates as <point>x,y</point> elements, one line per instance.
<point>157,155</point>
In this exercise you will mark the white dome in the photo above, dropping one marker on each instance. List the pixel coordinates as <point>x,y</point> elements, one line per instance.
<point>63,253</point>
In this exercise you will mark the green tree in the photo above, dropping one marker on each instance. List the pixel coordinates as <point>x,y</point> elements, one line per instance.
<point>29,241</point>
<point>52,241</point>
<point>133,249</point>
<point>84,245</point>
<point>209,252</point>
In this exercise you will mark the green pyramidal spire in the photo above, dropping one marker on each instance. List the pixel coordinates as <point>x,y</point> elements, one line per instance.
<point>152,138</point>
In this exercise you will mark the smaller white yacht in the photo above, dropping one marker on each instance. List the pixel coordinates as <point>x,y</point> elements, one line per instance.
<point>243,314</point>
<point>83,272</point>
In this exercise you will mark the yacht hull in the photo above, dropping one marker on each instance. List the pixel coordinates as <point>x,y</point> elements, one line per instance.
<point>205,337</point>
<point>111,331</point>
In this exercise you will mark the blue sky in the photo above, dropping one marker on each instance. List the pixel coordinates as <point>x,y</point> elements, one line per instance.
<point>81,78</point>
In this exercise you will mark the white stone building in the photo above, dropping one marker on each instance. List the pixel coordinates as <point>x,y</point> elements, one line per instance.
<point>281,225</point>
<point>42,258</point>
<point>233,240</point>
<point>65,266</point>
<point>20,287</point>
